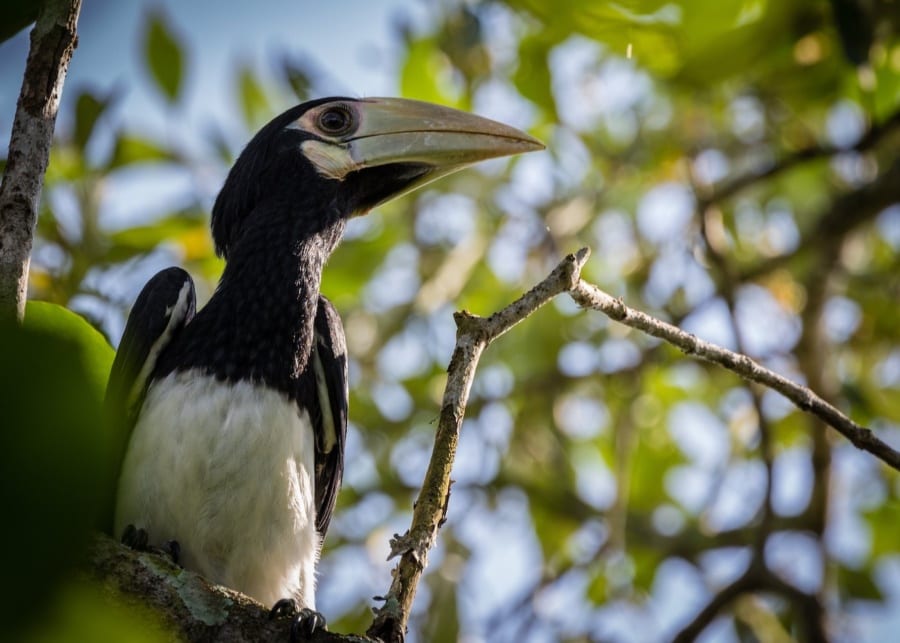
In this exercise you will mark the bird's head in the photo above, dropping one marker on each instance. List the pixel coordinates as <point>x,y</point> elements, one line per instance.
<point>349,155</point>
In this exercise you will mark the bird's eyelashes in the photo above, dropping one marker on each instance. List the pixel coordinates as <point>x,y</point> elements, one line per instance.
<point>337,120</point>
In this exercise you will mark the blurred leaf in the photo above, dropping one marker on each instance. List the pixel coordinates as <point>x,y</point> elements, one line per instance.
<point>130,149</point>
<point>219,143</point>
<point>164,56</point>
<point>298,76</point>
<point>444,627</point>
<point>598,588</point>
<point>95,353</point>
<point>855,29</point>
<point>186,229</point>
<point>462,39</point>
<point>883,520</point>
<point>254,102</point>
<point>15,15</point>
<point>532,77</point>
<point>66,164</point>
<point>55,474</point>
<point>428,75</point>
<point>86,612</point>
<point>87,110</point>
<point>858,584</point>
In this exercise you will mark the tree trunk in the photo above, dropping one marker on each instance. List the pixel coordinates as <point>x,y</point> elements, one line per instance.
<point>53,39</point>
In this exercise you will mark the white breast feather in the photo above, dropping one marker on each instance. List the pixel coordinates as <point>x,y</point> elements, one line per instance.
<point>227,470</point>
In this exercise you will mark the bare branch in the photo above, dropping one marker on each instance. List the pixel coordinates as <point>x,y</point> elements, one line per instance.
<point>53,39</point>
<point>474,334</point>
<point>589,296</point>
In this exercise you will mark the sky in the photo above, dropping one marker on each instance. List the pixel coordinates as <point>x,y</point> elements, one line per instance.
<point>352,41</point>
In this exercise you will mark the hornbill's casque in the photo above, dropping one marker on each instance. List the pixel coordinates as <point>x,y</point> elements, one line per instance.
<point>236,415</point>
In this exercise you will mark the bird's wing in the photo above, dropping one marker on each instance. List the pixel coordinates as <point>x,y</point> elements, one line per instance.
<point>329,361</point>
<point>162,309</point>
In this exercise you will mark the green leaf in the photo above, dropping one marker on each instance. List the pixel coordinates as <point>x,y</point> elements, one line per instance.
<point>858,584</point>
<point>164,56</point>
<point>254,102</point>
<point>54,452</point>
<point>598,588</point>
<point>298,76</point>
<point>89,612</point>
<point>88,109</point>
<point>15,15</point>
<point>131,149</point>
<point>883,520</point>
<point>94,351</point>
<point>427,75</point>
<point>188,229</point>
<point>532,77</point>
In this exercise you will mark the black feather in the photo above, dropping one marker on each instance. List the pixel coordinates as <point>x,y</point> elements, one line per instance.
<point>331,347</point>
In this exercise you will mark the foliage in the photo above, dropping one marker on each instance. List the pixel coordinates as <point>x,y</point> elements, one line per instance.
<point>606,487</point>
<point>55,469</point>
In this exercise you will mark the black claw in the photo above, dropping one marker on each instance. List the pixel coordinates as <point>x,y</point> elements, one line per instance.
<point>139,540</point>
<point>135,538</point>
<point>304,621</point>
<point>284,607</point>
<point>173,549</point>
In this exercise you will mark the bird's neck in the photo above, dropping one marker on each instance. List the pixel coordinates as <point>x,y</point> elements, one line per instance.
<point>258,324</point>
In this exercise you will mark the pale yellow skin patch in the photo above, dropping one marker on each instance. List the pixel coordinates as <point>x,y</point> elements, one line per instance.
<point>331,160</point>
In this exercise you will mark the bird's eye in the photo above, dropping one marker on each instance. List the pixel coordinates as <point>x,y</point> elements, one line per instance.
<point>337,120</point>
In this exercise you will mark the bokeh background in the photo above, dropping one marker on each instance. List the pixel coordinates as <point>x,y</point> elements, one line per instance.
<point>606,486</point>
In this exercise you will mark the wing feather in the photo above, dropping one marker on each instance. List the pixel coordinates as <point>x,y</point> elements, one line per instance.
<point>166,304</point>
<point>330,364</point>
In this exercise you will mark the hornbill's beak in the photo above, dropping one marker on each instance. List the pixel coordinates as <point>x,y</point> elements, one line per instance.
<point>395,130</point>
<point>429,140</point>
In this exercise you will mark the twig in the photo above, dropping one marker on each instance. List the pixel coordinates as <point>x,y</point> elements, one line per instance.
<point>474,334</point>
<point>53,40</point>
<point>746,583</point>
<point>589,296</point>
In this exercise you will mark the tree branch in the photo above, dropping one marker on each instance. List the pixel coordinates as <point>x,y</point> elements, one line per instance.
<point>758,577</point>
<point>53,39</point>
<point>589,296</point>
<point>474,334</point>
<point>192,607</point>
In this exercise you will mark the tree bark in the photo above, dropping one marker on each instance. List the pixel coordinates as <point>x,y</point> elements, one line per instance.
<point>53,39</point>
<point>190,606</point>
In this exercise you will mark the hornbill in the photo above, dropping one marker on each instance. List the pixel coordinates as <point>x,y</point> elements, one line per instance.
<point>235,417</point>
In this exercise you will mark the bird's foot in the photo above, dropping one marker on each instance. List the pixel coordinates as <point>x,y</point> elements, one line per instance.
<point>304,621</point>
<point>135,537</point>
<point>138,539</point>
<point>173,549</point>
